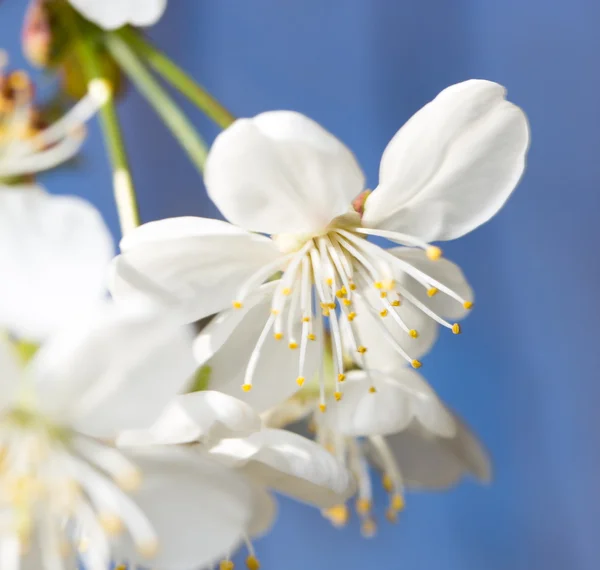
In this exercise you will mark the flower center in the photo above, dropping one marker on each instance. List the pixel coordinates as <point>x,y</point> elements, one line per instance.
<point>325,276</point>
<point>66,489</point>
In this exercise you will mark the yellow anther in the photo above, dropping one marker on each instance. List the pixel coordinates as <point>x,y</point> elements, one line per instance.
<point>300,381</point>
<point>416,364</point>
<point>456,328</point>
<point>121,567</point>
<point>237,304</point>
<point>252,563</point>
<point>383,294</point>
<point>110,523</point>
<point>337,396</point>
<point>341,377</point>
<point>372,389</point>
<point>352,287</point>
<point>387,483</point>
<point>286,291</point>
<point>433,252</point>
<point>226,565</point>
<point>361,349</point>
<point>130,480</point>
<point>391,515</point>
<point>363,506</point>
<point>413,333</point>
<point>378,285</point>
<point>293,345</point>
<point>395,303</point>
<point>322,407</point>
<point>351,316</point>
<point>331,305</point>
<point>368,528</point>
<point>274,312</point>
<point>148,549</point>
<point>326,312</point>
<point>311,336</point>
<point>339,293</point>
<point>306,319</point>
<point>344,291</point>
<point>433,291</point>
<point>397,502</point>
<point>246,387</point>
<point>468,304</point>
<point>338,515</point>
<point>324,305</point>
<point>347,302</point>
<point>278,336</point>
<point>329,281</point>
<point>383,313</point>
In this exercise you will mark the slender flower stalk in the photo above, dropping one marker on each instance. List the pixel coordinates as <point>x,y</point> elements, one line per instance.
<point>177,77</point>
<point>160,100</point>
<point>124,190</point>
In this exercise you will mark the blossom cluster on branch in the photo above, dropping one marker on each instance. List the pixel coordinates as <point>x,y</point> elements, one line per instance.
<point>153,400</point>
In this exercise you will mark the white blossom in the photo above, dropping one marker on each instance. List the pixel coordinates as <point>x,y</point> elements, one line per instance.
<point>448,170</point>
<point>113,14</point>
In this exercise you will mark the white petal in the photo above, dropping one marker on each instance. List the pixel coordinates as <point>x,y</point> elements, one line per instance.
<point>452,166</point>
<point>194,264</point>
<point>54,255</point>
<point>430,462</point>
<point>264,512</point>
<point>199,510</point>
<point>442,270</point>
<point>398,399</point>
<point>112,14</point>
<point>381,354</point>
<point>290,464</point>
<point>206,417</point>
<point>277,368</point>
<point>11,373</point>
<point>280,172</point>
<point>115,370</point>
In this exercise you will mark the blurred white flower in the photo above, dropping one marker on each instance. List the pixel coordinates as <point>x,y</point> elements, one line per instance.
<point>113,14</point>
<point>65,489</point>
<point>221,427</point>
<point>54,254</point>
<point>25,151</point>
<point>447,171</point>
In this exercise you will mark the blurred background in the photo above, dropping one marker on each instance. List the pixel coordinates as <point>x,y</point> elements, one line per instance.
<point>525,372</point>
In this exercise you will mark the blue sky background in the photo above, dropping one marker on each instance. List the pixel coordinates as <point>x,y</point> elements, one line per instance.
<point>525,371</point>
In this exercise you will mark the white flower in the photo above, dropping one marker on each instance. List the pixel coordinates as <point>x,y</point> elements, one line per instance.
<point>448,170</point>
<point>64,489</point>
<point>23,152</point>
<point>228,430</point>
<point>54,254</point>
<point>113,14</point>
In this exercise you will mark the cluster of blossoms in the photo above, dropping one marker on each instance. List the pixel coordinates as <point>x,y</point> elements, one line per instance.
<point>111,449</point>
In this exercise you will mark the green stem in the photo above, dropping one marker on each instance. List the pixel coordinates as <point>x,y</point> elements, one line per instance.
<point>160,100</point>
<point>124,191</point>
<point>177,77</point>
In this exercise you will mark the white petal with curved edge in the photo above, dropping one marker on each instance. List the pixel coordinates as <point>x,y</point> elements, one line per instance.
<point>381,354</point>
<point>11,373</point>
<point>280,172</point>
<point>398,399</point>
<point>277,369</point>
<point>442,270</point>
<point>264,512</point>
<point>115,370</point>
<point>430,462</point>
<point>199,510</point>
<point>290,464</point>
<point>452,166</point>
<point>112,14</point>
<point>206,416</point>
<point>195,265</point>
<point>54,255</point>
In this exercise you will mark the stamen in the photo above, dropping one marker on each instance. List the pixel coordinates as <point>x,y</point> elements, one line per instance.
<point>252,363</point>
